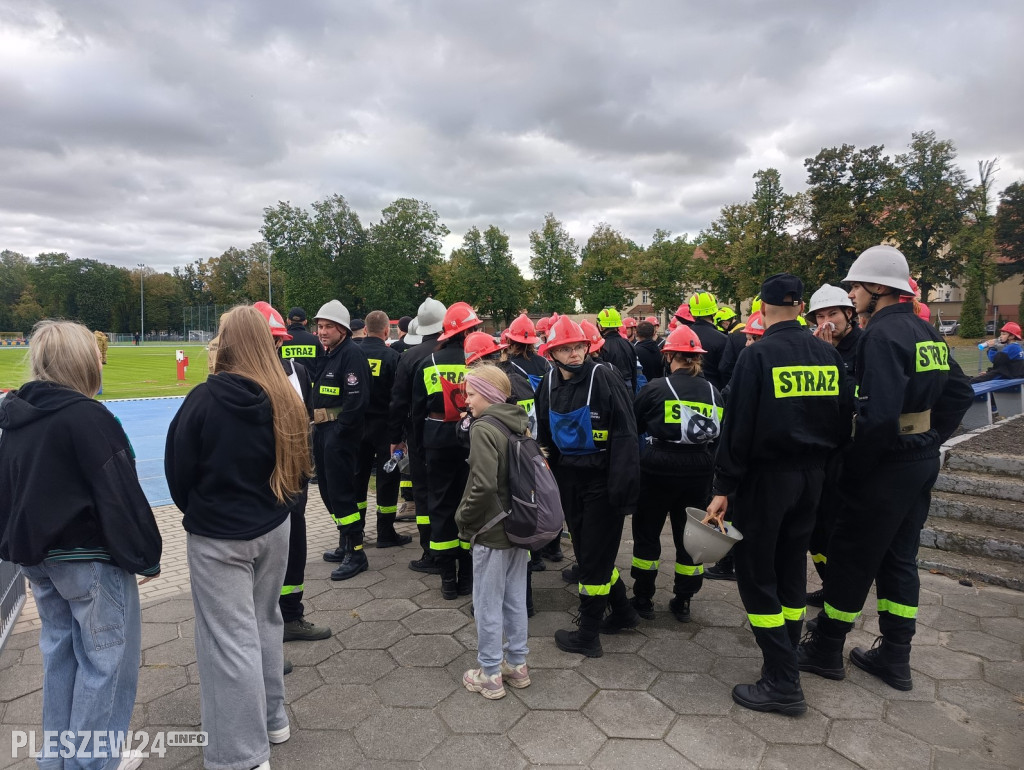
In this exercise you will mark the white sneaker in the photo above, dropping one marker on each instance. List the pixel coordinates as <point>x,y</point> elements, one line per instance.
<point>280,736</point>
<point>130,760</point>
<point>263,766</point>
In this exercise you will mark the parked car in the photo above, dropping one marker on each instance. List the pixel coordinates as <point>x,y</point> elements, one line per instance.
<point>990,328</point>
<point>949,326</point>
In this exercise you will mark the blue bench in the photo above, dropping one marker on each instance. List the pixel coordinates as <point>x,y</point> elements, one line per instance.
<point>983,392</point>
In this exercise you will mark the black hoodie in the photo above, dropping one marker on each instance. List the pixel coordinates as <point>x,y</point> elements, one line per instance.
<point>68,485</point>
<point>219,459</point>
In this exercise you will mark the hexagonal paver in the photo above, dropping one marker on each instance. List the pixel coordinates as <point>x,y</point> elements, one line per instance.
<point>693,694</point>
<point>838,700</point>
<point>24,710</point>
<point>716,744</point>
<point>818,757</point>
<point>156,633</point>
<point>943,663</point>
<point>155,681</point>
<point>544,654</point>
<point>335,706</point>
<point>472,752</point>
<point>336,620</point>
<point>356,667</point>
<point>924,686</point>
<point>431,599</point>
<point>301,681</point>
<point>463,712</point>
<point>947,619</point>
<point>873,745</point>
<point>811,728</point>
<point>1009,676</point>
<point>556,689</point>
<point>943,725</point>
<point>385,609</point>
<point>311,653</point>
<point>414,687</point>
<point>400,734</point>
<point>553,599</point>
<point>983,645</point>
<point>179,707</point>
<point>717,614</point>
<point>34,656</point>
<point>362,580</point>
<point>347,598</point>
<point>542,737</point>
<point>398,589</point>
<point>20,680</point>
<point>169,611</point>
<point>650,755</point>
<point>668,654</point>
<point>1011,629</point>
<point>546,623</point>
<point>435,621</point>
<point>629,714</point>
<point>378,635</point>
<point>728,642</point>
<point>177,652</point>
<point>426,650</point>
<point>983,604</point>
<point>619,672</point>
<point>314,749</point>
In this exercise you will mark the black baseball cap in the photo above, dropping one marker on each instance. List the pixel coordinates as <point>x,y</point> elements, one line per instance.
<point>296,314</point>
<point>357,324</point>
<point>403,323</point>
<point>783,289</point>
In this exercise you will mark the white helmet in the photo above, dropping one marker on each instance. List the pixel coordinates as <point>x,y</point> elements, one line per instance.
<point>430,316</point>
<point>413,336</point>
<point>884,265</point>
<point>703,542</point>
<point>828,296</point>
<point>335,311</point>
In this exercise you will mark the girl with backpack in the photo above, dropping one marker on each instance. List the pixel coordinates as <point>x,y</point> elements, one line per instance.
<point>499,569</point>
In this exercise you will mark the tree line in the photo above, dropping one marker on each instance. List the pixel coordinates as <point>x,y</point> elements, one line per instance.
<point>919,200</point>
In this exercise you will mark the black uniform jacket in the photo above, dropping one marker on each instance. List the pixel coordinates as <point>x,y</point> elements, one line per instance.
<point>683,427</point>
<point>903,367</point>
<point>535,364</point>
<point>612,423</point>
<point>713,341</point>
<point>403,409</point>
<point>649,355</point>
<point>305,347</point>
<point>734,344</point>
<point>789,406</point>
<point>383,363</point>
<point>305,382</point>
<point>428,394</point>
<point>344,381</point>
<point>620,354</point>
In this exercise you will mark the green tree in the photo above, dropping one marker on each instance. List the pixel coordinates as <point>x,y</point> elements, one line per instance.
<point>26,312</point>
<point>729,244</point>
<point>665,269</point>
<point>14,280</point>
<point>605,269</point>
<point>975,245</point>
<point>1009,235</point>
<point>554,262</point>
<point>227,277</point>
<point>53,276</point>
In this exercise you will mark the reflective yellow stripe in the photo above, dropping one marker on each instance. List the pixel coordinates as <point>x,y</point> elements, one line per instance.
<point>645,564</point>
<point>329,391</point>
<point>423,520</point>
<point>932,357</point>
<point>387,509</point>
<point>465,545</point>
<point>766,621</point>
<point>600,590</point>
<point>835,614</point>
<point>794,613</point>
<point>805,381</point>
<point>357,547</point>
<point>902,610</point>
<point>361,506</point>
<point>690,570</point>
<point>819,558</point>
<point>674,410</point>
<point>374,366</point>
<point>452,372</point>
<point>600,435</point>
<point>298,351</point>
<point>285,590</point>
<point>447,545</point>
<point>405,484</point>
<point>352,518</point>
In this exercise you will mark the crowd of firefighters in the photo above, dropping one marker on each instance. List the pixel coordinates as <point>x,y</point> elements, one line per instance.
<point>806,427</point>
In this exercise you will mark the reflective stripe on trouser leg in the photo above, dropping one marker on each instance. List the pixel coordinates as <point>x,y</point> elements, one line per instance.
<point>600,589</point>
<point>447,474</point>
<point>290,600</point>
<point>688,579</point>
<point>286,590</point>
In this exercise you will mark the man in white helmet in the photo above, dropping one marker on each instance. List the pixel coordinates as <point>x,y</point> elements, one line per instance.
<point>341,393</point>
<point>911,397</point>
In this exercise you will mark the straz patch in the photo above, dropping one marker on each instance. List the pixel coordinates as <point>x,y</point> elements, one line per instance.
<point>351,379</point>
<point>432,376</point>
<point>674,410</point>
<point>793,381</point>
<point>327,390</point>
<point>374,366</point>
<point>932,357</point>
<point>600,435</point>
<point>298,351</point>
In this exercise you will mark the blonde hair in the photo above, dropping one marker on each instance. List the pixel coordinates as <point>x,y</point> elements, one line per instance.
<point>690,364</point>
<point>66,353</point>
<point>246,348</point>
<point>492,375</point>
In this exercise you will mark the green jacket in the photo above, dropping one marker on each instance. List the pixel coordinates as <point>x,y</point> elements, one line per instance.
<point>486,494</point>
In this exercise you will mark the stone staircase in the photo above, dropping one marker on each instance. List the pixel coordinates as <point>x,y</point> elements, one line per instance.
<point>975,527</point>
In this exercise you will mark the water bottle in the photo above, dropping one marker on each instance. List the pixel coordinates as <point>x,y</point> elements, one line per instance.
<point>396,461</point>
<point>982,345</point>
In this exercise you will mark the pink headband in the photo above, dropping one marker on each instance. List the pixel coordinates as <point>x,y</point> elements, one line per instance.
<point>491,393</point>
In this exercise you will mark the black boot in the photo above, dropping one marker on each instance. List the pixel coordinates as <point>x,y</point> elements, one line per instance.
<point>571,574</point>
<point>722,570</point>
<point>644,607</point>
<point>354,561</point>
<point>530,612</point>
<point>623,616</point>
<point>816,598</point>
<point>464,582</point>
<point>680,607</point>
<point>386,535</point>
<point>586,641</point>
<point>536,563</point>
<point>643,592</point>
<point>771,695</point>
<point>449,580</point>
<point>338,554</point>
<point>426,564</point>
<point>888,661</point>
<point>821,655</point>
<point>553,551</point>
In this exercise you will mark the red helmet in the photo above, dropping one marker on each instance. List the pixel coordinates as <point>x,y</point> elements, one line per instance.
<point>683,340</point>
<point>629,322</point>
<point>755,325</point>
<point>564,331</point>
<point>276,323</point>
<point>480,344</point>
<point>673,324</point>
<point>924,312</point>
<point>545,323</point>
<point>521,330</point>
<point>652,320</point>
<point>1012,327</point>
<point>459,318</point>
<point>683,313</point>
<point>593,336</point>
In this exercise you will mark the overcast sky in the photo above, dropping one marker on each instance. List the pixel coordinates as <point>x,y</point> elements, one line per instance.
<point>156,132</point>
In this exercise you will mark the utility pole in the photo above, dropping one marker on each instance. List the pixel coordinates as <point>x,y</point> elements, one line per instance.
<point>142,303</point>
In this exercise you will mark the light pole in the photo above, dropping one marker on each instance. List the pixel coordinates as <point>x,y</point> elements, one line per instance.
<point>142,303</point>
<point>270,288</point>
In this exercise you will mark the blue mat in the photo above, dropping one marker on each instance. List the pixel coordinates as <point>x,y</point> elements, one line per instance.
<point>146,421</point>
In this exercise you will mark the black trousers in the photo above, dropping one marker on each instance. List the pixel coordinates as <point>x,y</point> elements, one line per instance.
<point>664,497</point>
<point>336,453</point>
<point>825,518</point>
<point>596,531</point>
<point>447,474</point>
<point>775,513</point>
<point>420,487</point>
<point>294,573</point>
<point>876,538</point>
<point>376,449</point>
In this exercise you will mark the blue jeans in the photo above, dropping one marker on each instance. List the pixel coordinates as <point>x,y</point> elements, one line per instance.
<point>91,641</point>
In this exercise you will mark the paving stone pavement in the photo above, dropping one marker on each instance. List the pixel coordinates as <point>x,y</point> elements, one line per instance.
<point>385,690</point>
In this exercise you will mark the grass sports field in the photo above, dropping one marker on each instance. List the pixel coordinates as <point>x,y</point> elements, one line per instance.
<point>131,372</point>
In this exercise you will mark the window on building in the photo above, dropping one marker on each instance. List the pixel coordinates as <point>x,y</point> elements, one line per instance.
<point>645,297</point>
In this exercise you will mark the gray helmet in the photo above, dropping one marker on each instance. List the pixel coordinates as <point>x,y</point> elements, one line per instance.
<point>413,336</point>
<point>336,312</point>
<point>828,296</point>
<point>431,317</point>
<point>884,265</point>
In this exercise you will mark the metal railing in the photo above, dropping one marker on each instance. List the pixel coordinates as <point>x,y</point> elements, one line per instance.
<point>12,598</point>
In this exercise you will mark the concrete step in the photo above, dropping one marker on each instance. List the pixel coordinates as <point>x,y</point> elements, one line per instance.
<point>971,539</point>
<point>976,462</point>
<point>993,571</point>
<point>1008,514</point>
<point>981,485</point>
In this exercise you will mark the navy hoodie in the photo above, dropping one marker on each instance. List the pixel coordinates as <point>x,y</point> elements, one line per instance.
<point>68,486</point>
<point>219,458</point>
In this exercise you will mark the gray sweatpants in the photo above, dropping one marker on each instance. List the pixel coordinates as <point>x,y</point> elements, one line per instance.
<point>239,635</point>
<point>499,605</point>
